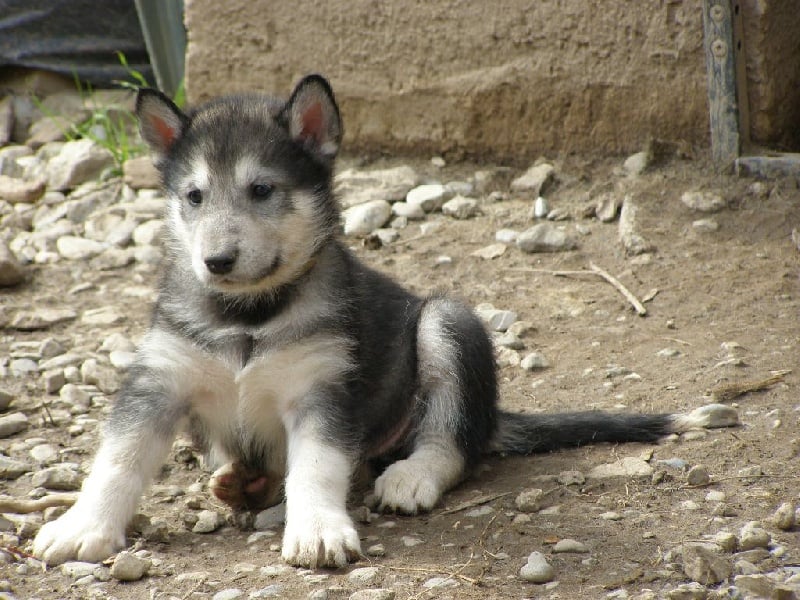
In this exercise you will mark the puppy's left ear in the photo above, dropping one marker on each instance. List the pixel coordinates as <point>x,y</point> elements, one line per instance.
<point>313,118</point>
<point>161,123</point>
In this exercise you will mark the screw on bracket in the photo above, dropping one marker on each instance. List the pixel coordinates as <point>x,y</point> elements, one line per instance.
<point>717,13</point>
<point>719,48</point>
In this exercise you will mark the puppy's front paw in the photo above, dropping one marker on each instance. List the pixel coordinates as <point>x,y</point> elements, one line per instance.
<point>324,539</point>
<point>406,487</point>
<point>78,535</point>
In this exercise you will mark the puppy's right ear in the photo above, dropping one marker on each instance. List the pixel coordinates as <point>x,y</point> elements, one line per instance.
<point>160,121</point>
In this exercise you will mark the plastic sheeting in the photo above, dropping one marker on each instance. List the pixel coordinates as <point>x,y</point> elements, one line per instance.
<point>74,37</point>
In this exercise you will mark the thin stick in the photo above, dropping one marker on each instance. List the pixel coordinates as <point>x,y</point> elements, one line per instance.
<point>729,391</point>
<point>638,306</point>
<point>10,504</point>
<point>595,270</point>
<point>471,503</point>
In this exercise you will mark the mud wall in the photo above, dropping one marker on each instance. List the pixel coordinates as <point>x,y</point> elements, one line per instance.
<point>772,48</point>
<point>511,79</point>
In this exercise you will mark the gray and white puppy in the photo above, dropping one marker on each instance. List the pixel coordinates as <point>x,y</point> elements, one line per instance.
<point>290,360</point>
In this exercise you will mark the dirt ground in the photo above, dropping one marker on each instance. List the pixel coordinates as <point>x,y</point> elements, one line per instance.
<point>738,284</point>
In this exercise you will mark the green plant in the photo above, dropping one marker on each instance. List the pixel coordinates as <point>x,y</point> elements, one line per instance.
<point>111,127</point>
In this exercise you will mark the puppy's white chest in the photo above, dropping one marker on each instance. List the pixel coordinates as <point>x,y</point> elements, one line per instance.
<point>269,387</point>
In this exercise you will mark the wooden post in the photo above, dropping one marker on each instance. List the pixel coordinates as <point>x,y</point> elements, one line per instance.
<point>721,68</point>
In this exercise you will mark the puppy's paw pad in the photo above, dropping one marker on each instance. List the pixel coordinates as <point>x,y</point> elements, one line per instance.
<point>243,488</point>
<point>404,487</point>
<point>320,541</point>
<point>77,536</point>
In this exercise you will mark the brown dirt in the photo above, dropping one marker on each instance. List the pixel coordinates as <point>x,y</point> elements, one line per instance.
<point>739,284</point>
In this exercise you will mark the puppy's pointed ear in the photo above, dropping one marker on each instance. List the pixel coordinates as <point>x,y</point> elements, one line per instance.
<point>313,118</point>
<point>161,123</point>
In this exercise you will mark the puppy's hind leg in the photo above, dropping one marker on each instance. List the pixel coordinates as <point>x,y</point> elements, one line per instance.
<point>135,443</point>
<point>458,392</point>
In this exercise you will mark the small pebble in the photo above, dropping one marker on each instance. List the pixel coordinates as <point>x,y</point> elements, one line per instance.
<point>568,545</point>
<point>698,475</point>
<point>129,567</point>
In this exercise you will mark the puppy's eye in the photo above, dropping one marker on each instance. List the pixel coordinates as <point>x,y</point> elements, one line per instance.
<point>195,197</point>
<point>261,191</point>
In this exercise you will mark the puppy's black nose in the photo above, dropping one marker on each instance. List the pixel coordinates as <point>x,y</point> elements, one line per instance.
<point>221,264</point>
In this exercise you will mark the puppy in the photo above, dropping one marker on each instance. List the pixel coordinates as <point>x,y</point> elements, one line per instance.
<point>292,361</point>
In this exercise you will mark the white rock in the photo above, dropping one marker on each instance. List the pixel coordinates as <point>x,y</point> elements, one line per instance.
<point>58,477</point>
<point>77,248</point>
<point>545,237</point>
<point>429,197</point>
<point>529,500</point>
<point>537,569</point>
<point>540,208</point>
<point>497,320</point>
<point>784,517</point>
<point>373,594</point>
<point>363,575</point>
<point>42,318</point>
<point>208,521</point>
<point>707,202</point>
<point>77,162</point>
<point>705,225</point>
<point>535,180</point>
<point>752,535</point>
<point>129,567</point>
<point>460,207</point>
<point>412,212</point>
<point>489,252</point>
<point>365,218</point>
<point>13,423</point>
<point>506,236</point>
<point>568,545</point>
<point>386,235</point>
<point>630,466</point>
<point>534,361</point>
<point>354,187</point>
<point>635,164</point>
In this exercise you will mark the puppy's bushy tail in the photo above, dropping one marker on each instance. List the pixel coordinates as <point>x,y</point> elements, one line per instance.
<point>519,433</point>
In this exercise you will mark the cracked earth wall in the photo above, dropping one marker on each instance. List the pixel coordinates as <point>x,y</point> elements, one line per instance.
<point>514,79</point>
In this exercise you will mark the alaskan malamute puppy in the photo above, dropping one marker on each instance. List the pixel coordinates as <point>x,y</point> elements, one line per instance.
<point>293,362</point>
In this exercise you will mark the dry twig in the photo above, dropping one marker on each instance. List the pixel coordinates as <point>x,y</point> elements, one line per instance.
<point>729,391</point>
<point>10,504</point>
<point>595,270</point>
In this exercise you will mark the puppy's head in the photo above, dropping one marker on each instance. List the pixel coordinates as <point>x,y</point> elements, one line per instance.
<point>248,182</point>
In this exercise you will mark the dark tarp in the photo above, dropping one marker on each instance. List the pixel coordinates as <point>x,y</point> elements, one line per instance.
<point>74,37</point>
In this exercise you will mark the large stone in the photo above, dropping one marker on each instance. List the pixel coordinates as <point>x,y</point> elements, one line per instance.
<point>365,218</point>
<point>140,173</point>
<point>129,567</point>
<point>630,466</point>
<point>13,423</point>
<point>537,569</point>
<point>16,191</point>
<point>77,162</point>
<point>545,237</point>
<point>429,197</point>
<point>11,272</point>
<point>703,564</point>
<point>707,202</point>
<point>535,180</point>
<point>78,248</point>
<point>356,187</point>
